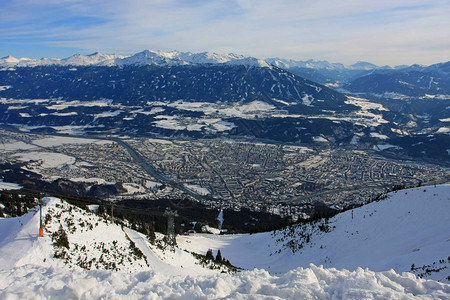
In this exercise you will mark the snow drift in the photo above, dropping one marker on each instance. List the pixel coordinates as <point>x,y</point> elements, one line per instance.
<point>33,282</point>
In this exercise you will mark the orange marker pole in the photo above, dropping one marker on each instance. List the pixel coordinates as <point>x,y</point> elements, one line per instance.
<point>41,231</point>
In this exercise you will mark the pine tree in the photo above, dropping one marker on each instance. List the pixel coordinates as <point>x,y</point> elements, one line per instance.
<point>219,257</point>
<point>209,254</point>
<point>60,238</point>
<point>152,235</point>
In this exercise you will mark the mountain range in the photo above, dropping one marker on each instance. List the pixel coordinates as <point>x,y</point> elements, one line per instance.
<point>403,109</point>
<point>146,57</point>
<point>361,77</point>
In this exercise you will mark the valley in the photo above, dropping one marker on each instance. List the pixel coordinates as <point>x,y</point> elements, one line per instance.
<point>285,180</point>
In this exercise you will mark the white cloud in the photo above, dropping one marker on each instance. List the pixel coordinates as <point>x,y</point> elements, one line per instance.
<point>384,32</point>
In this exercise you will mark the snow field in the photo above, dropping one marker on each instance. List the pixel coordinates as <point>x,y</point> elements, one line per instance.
<point>45,160</point>
<point>312,283</point>
<point>198,189</point>
<point>9,185</point>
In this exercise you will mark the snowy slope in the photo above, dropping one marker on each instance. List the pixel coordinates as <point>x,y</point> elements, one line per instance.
<point>146,57</point>
<point>410,227</point>
<point>94,243</point>
<point>28,269</point>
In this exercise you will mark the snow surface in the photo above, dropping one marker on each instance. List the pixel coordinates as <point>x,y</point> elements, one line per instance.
<point>32,282</point>
<point>384,147</point>
<point>133,188</point>
<point>16,146</point>
<point>444,130</point>
<point>92,180</point>
<point>62,140</point>
<point>45,160</point>
<point>61,105</point>
<point>319,139</point>
<point>9,185</point>
<point>198,189</point>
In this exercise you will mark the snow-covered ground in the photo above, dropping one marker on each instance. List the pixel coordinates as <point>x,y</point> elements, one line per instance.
<point>45,160</point>
<point>198,189</point>
<point>33,282</point>
<point>9,185</point>
<point>387,236</point>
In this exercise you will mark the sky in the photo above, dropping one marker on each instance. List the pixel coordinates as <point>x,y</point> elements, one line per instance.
<point>384,32</point>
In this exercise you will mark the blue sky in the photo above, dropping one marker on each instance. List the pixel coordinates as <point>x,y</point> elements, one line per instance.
<point>383,32</point>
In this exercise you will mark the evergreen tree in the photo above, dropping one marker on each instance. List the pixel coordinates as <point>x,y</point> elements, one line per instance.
<point>100,210</point>
<point>209,254</point>
<point>60,238</point>
<point>152,235</point>
<point>219,257</point>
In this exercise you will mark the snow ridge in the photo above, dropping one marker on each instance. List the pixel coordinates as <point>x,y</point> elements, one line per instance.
<point>146,57</point>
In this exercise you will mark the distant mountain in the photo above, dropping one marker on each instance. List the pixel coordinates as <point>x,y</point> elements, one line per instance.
<point>169,93</point>
<point>362,65</point>
<point>310,64</point>
<point>209,95</point>
<point>146,57</point>
<point>416,81</point>
<point>323,71</point>
<point>154,76</point>
<point>365,77</point>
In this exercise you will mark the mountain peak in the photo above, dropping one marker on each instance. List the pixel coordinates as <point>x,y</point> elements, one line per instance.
<point>9,59</point>
<point>363,65</point>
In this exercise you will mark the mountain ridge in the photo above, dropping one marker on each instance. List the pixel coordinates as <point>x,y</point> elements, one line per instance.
<point>146,57</point>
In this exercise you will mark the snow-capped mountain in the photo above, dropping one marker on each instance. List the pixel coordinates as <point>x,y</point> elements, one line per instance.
<point>362,65</point>
<point>146,57</point>
<point>311,64</point>
<point>409,227</point>
<point>323,71</point>
<point>413,81</point>
<point>319,64</point>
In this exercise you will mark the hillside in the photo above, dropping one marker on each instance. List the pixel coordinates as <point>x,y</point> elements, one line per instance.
<point>408,227</point>
<point>92,243</point>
